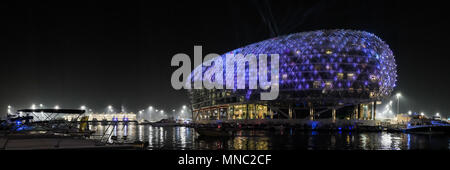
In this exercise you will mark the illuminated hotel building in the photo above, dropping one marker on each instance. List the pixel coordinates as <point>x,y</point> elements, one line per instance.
<point>325,74</point>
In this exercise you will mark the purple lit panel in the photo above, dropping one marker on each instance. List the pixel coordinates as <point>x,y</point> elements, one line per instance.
<point>321,56</point>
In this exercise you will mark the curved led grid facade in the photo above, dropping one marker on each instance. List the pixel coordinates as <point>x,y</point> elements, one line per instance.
<point>325,67</point>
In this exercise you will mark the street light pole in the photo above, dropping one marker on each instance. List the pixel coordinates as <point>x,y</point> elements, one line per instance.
<point>398,103</point>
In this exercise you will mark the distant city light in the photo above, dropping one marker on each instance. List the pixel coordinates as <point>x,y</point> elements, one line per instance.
<point>437,114</point>
<point>398,102</point>
<point>9,109</point>
<point>41,105</point>
<point>184,106</point>
<point>422,114</point>
<point>56,107</point>
<point>33,106</point>
<point>409,112</point>
<point>83,107</point>
<point>150,108</point>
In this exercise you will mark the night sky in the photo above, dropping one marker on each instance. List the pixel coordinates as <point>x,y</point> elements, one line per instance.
<point>97,53</point>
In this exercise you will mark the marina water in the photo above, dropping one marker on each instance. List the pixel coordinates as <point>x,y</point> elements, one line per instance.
<point>174,138</point>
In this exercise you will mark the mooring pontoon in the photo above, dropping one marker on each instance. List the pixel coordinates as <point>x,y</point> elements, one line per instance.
<point>31,129</point>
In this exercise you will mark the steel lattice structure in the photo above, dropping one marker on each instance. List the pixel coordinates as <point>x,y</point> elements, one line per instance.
<point>324,67</point>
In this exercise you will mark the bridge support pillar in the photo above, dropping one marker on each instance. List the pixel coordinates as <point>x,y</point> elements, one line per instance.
<point>359,112</point>
<point>311,113</point>
<point>374,110</point>
<point>333,114</point>
<point>290,112</point>
<point>271,113</point>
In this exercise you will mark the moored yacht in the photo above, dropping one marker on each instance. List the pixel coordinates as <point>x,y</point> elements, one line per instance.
<point>427,126</point>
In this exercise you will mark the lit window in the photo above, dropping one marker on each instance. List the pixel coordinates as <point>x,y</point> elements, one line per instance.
<point>328,52</point>
<point>284,76</point>
<point>373,78</point>
<point>350,76</point>
<point>316,84</point>
<point>340,76</point>
<point>328,84</point>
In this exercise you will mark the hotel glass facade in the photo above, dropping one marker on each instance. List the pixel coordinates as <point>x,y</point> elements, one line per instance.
<point>322,74</point>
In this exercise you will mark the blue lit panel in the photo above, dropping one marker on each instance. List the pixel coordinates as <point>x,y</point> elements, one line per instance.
<point>325,64</point>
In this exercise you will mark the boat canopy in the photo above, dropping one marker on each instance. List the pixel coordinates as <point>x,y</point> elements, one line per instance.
<point>62,111</point>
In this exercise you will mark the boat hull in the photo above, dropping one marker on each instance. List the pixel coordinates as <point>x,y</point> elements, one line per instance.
<point>429,130</point>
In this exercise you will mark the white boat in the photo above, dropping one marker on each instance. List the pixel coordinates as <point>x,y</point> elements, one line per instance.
<point>427,126</point>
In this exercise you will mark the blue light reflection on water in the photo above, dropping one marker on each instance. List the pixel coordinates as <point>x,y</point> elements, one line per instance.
<point>186,138</point>
<point>409,142</point>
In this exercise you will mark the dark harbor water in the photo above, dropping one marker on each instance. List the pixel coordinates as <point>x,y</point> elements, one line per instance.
<point>175,138</point>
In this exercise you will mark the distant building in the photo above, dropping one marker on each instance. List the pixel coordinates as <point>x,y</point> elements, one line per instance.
<point>107,116</point>
<point>403,118</point>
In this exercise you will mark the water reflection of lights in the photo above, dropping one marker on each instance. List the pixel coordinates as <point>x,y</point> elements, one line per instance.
<point>332,141</point>
<point>396,142</point>
<point>182,135</point>
<point>173,141</point>
<point>409,141</point>
<point>262,144</point>
<point>386,141</point>
<point>249,143</point>
<point>140,132</point>
<point>125,131</point>
<point>347,140</point>
<point>161,138</point>
<point>363,141</point>
<point>161,135</point>
<point>115,130</point>
<point>238,143</point>
<point>150,135</point>
<point>310,142</point>
<point>389,142</point>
